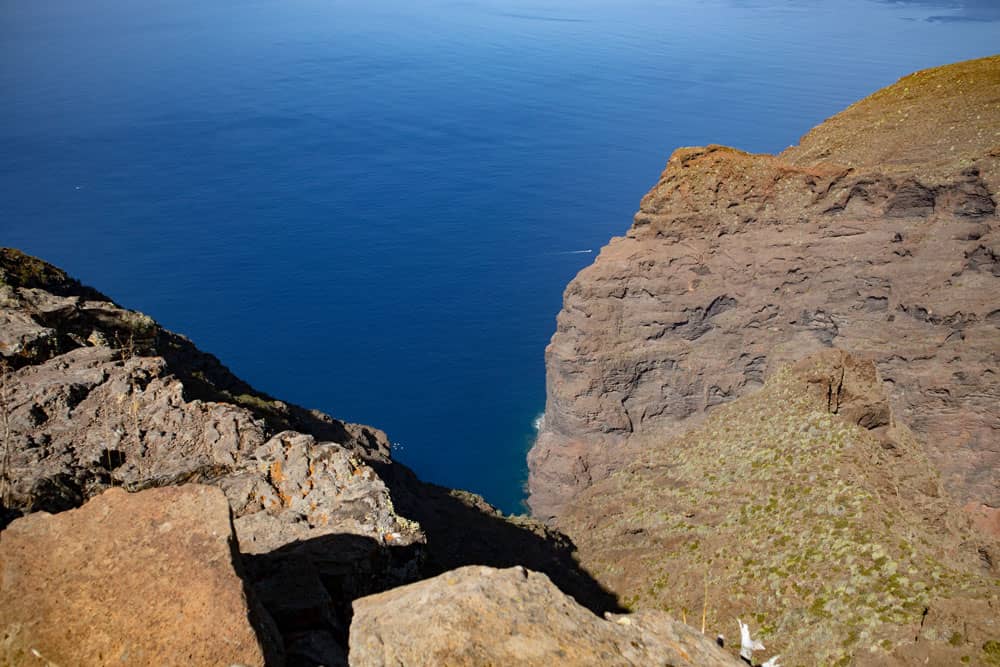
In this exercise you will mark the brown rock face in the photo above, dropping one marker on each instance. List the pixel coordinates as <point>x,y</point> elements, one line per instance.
<point>127,579</point>
<point>481,616</point>
<point>985,518</point>
<point>877,234</point>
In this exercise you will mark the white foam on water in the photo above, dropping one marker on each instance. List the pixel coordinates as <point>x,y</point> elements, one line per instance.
<point>539,422</point>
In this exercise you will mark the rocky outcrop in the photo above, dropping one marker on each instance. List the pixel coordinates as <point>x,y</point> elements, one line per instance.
<point>808,507</point>
<point>98,395</point>
<point>128,579</point>
<point>878,234</point>
<point>483,616</point>
<point>807,510</point>
<point>94,396</point>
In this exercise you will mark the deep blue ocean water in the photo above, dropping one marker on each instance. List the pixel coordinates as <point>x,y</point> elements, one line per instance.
<point>372,208</point>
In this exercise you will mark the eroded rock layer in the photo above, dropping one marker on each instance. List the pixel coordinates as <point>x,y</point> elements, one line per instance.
<point>877,234</point>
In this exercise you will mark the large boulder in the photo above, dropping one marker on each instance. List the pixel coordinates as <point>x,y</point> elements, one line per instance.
<point>485,616</point>
<point>150,578</point>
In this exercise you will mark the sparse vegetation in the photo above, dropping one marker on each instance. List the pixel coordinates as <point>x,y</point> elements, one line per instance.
<point>800,517</point>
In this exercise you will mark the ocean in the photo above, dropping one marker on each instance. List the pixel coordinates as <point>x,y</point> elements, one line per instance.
<point>372,208</point>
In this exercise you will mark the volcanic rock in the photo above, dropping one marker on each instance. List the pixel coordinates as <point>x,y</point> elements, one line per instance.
<point>128,579</point>
<point>97,396</point>
<point>877,234</point>
<point>483,616</point>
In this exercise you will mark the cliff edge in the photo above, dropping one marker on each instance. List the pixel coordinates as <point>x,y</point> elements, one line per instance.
<point>877,234</point>
<point>97,399</point>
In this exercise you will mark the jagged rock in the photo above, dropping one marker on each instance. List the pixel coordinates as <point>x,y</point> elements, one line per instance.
<point>107,397</point>
<point>483,616</point>
<point>850,387</point>
<point>139,579</point>
<point>878,234</point>
<point>318,529</point>
<point>803,507</point>
<point>96,395</point>
<point>293,489</point>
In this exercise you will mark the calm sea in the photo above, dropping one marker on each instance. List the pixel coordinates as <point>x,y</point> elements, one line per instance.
<point>372,208</point>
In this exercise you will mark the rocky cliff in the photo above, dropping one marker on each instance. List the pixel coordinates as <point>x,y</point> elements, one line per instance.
<point>157,510</point>
<point>709,445</point>
<point>877,234</point>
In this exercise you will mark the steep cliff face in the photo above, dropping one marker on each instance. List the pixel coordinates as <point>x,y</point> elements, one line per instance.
<point>877,234</point>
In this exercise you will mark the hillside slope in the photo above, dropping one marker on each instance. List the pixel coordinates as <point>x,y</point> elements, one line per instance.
<point>806,510</point>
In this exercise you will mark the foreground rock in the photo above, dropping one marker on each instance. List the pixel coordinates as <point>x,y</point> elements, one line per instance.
<point>95,396</point>
<point>877,234</point>
<point>483,616</point>
<point>806,510</point>
<point>127,579</point>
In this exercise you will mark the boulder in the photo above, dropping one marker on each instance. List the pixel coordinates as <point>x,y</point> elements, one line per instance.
<point>484,616</point>
<point>150,578</point>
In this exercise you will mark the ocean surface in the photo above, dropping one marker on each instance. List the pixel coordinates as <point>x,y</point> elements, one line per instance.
<point>373,208</point>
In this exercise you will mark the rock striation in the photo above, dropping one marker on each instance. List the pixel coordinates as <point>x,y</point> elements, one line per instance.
<point>877,234</point>
<point>484,616</point>
<point>128,579</point>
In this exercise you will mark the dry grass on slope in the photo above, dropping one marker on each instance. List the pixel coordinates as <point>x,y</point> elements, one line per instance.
<point>834,539</point>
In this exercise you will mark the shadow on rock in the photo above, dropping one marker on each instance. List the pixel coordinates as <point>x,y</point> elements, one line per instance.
<point>463,529</point>
<point>307,588</point>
